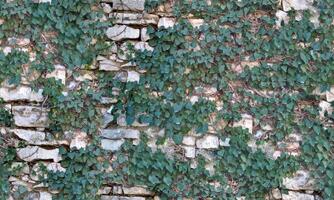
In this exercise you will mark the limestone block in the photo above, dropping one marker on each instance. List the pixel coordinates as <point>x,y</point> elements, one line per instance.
<point>111,145</point>
<point>136,19</point>
<point>32,153</point>
<point>133,5</point>
<point>301,180</point>
<point>166,22</point>
<point>297,196</point>
<point>208,142</point>
<point>21,93</point>
<point>59,73</point>
<point>121,32</point>
<point>30,116</point>
<point>120,133</point>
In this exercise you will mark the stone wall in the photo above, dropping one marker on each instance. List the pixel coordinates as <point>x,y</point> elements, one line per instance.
<point>31,118</point>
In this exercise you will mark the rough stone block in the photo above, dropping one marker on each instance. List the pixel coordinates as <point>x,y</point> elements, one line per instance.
<point>120,133</point>
<point>32,153</point>
<point>21,93</point>
<point>208,142</point>
<point>112,145</point>
<point>133,5</point>
<point>30,116</point>
<point>136,19</point>
<point>121,32</point>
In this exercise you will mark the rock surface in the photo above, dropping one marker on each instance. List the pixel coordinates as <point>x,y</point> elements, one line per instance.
<point>32,153</point>
<point>208,142</point>
<point>121,32</point>
<point>21,93</point>
<point>120,133</point>
<point>133,5</point>
<point>297,196</point>
<point>30,116</point>
<point>112,145</point>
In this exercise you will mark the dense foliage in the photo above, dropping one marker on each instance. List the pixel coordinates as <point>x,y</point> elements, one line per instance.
<point>250,65</point>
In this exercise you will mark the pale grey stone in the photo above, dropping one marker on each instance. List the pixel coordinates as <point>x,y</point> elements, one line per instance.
<point>105,197</point>
<point>59,73</point>
<point>45,195</point>
<point>301,180</point>
<point>296,4</point>
<point>276,193</point>
<point>225,143</point>
<point>246,122</point>
<point>330,95</point>
<point>29,136</point>
<point>196,22</point>
<point>108,100</point>
<point>189,140</point>
<point>21,93</point>
<point>144,35</point>
<point>141,191</point>
<point>133,76</point>
<point>30,116</point>
<point>106,8</point>
<point>121,32</point>
<point>166,22</point>
<point>32,153</point>
<point>79,140</point>
<point>208,142</point>
<point>136,18</point>
<point>104,190</point>
<point>107,119</point>
<point>111,145</point>
<point>143,46</point>
<point>190,152</point>
<point>133,5</point>
<point>109,65</point>
<point>120,133</point>
<point>297,196</point>
<point>281,17</point>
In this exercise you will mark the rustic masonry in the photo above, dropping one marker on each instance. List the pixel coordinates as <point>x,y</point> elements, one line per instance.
<point>31,118</point>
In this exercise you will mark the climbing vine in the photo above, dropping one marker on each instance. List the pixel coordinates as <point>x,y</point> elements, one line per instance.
<point>240,60</point>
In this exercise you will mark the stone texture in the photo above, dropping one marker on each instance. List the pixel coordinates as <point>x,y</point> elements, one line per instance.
<point>136,18</point>
<point>208,142</point>
<point>120,133</point>
<point>189,152</point>
<point>104,190</point>
<point>121,32</point>
<point>133,76</point>
<point>330,95</point>
<point>281,17</point>
<point>296,4</point>
<point>133,5</point>
<point>105,197</point>
<point>166,22</point>
<point>45,196</point>
<point>196,22</point>
<point>140,191</point>
<point>32,137</point>
<point>21,93</point>
<point>32,153</point>
<point>30,116</point>
<point>143,46</point>
<point>111,145</point>
<point>59,74</point>
<point>144,35</point>
<point>246,122</point>
<point>225,143</point>
<point>79,140</point>
<point>109,65</point>
<point>297,196</point>
<point>301,180</point>
<point>189,140</point>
